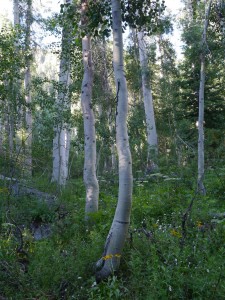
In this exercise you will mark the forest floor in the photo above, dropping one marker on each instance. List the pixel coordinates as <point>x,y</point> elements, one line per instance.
<point>174,250</point>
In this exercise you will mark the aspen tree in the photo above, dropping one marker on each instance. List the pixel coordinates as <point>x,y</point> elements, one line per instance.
<point>90,178</point>
<point>148,101</point>
<point>119,228</point>
<point>61,141</point>
<point>27,85</point>
<point>201,166</point>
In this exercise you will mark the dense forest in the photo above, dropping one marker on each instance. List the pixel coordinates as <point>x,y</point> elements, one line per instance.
<point>112,161</point>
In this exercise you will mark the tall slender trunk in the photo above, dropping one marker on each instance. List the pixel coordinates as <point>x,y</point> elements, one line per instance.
<point>61,141</point>
<point>116,238</point>
<point>1,132</point>
<point>148,101</point>
<point>27,83</point>
<point>220,8</point>
<point>9,125</point>
<point>163,51</point>
<point>17,85</point>
<point>16,14</point>
<point>189,8</point>
<point>201,167</point>
<point>90,178</point>
<point>108,95</point>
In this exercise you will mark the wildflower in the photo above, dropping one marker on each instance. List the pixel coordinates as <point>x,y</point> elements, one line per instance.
<point>4,190</point>
<point>199,224</point>
<point>176,233</point>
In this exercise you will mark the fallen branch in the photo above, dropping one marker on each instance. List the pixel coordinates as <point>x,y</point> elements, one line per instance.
<point>184,220</point>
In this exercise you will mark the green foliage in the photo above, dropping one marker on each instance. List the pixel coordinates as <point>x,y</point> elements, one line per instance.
<point>146,14</point>
<point>165,255</point>
<point>158,261</point>
<point>186,103</point>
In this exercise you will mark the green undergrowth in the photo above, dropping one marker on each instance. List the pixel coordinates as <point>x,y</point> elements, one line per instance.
<point>168,254</point>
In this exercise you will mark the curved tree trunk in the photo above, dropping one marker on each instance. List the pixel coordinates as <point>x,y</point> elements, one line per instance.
<point>201,162</point>
<point>148,102</point>
<point>118,232</point>
<point>90,179</point>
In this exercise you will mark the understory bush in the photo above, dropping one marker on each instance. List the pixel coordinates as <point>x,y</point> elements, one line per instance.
<point>174,249</point>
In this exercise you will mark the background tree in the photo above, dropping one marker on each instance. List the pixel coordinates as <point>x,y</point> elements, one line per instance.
<point>201,187</point>
<point>90,179</point>
<point>27,88</point>
<point>61,142</point>
<point>148,102</point>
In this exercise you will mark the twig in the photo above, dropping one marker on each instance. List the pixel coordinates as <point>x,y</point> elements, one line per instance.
<point>185,218</point>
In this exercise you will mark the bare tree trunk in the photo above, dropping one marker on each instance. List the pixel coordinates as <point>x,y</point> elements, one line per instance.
<point>148,101</point>
<point>61,141</point>
<point>1,133</point>
<point>116,238</point>
<point>189,7</point>
<point>9,121</point>
<point>27,83</point>
<point>201,167</point>
<point>109,95</point>
<point>17,86</point>
<point>56,154</point>
<point>16,15</point>
<point>9,126</point>
<point>90,179</point>
<point>220,8</point>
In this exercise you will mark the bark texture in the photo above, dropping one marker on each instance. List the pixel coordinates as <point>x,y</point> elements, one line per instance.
<point>90,178</point>
<point>148,101</point>
<point>110,260</point>
<point>17,84</point>
<point>110,162</point>
<point>61,141</point>
<point>27,83</point>
<point>201,167</point>
<point>16,14</point>
<point>220,8</point>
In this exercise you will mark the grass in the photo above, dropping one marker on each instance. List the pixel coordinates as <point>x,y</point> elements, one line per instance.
<point>159,260</point>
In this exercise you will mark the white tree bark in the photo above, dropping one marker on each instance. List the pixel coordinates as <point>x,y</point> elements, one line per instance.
<point>119,229</point>
<point>27,82</point>
<point>109,94</point>
<point>16,15</point>
<point>148,101</point>
<point>189,8</point>
<point>61,141</point>
<point>201,167</point>
<point>220,7</point>
<point>90,178</point>
<point>17,86</point>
